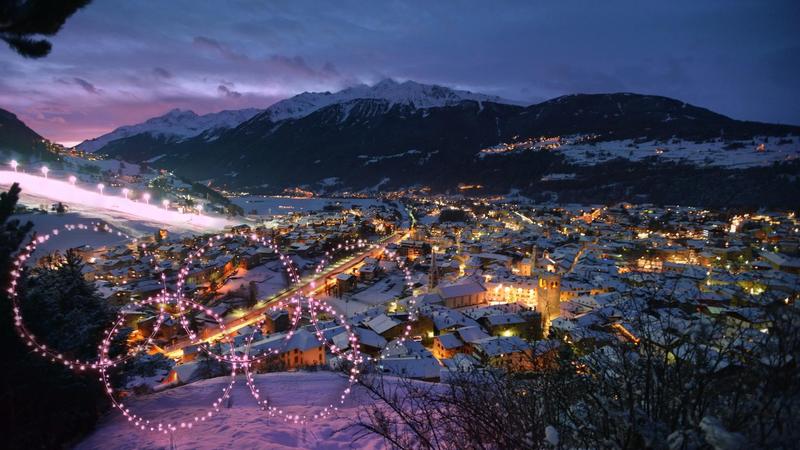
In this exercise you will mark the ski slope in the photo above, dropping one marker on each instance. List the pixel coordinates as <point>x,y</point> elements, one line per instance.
<point>105,205</point>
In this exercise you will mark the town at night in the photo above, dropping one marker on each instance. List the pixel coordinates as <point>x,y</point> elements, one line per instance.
<point>399,225</point>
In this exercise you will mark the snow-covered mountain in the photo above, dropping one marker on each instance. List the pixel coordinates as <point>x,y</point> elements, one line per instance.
<point>174,126</point>
<point>178,125</point>
<point>420,96</point>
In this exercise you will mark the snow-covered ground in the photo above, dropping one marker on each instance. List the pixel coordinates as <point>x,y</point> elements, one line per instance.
<point>429,219</point>
<point>45,223</point>
<point>380,293</point>
<point>243,425</point>
<point>759,151</point>
<point>39,190</point>
<point>269,279</point>
<point>112,165</point>
<point>776,149</point>
<point>345,305</point>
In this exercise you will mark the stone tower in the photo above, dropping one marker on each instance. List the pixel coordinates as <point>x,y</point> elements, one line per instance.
<point>433,274</point>
<point>548,297</point>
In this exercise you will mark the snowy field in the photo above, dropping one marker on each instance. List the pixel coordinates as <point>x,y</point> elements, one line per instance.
<point>702,154</point>
<point>379,293</point>
<point>382,291</point>
<point>45,223</point>
<point>113,165</point>
<point>345,305</point>
<point>286,205</point>
<point>268,278</point>
<point>244,425</point>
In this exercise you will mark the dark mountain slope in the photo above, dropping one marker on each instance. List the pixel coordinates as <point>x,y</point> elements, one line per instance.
<point>16,137</point>
<point>626,115</point>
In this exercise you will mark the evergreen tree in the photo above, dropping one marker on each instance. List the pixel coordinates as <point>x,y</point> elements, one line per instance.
<point>65,310</point>
<point>22,21</point>
<point>44,405</point>
<point>209,366</point>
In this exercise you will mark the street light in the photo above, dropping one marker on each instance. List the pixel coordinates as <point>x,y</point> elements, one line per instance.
<point>45,170</point>
<point>146,197</point>
<point>73,179</point>
<point>125,192</point>
<point>101,186</point>
<point>14,164</point>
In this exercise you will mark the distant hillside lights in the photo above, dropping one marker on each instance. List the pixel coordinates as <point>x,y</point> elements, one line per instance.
<point>541,143</point>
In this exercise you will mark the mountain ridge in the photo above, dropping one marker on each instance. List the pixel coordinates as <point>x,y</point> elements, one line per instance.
<point>19,141</point>
<point>177,124</point>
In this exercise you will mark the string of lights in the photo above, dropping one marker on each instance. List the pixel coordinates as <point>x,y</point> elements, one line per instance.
<point>176,306</point>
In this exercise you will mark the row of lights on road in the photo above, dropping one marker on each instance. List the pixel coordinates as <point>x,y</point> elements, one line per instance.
<point>100,186</point>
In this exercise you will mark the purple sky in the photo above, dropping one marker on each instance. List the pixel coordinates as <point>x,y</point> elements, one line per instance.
<point>120,62</point>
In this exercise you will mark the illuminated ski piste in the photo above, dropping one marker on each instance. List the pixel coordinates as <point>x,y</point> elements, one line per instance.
<point>72,195</point>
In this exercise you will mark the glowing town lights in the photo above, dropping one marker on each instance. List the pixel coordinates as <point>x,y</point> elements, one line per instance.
<point>73,179</point>
<point>14,164</point>
<point>125,192</point>
<point>100,187</point>
<point>199,209</point>
<point>165,202</point>
<point>45,170</point>
<point>146,197</point>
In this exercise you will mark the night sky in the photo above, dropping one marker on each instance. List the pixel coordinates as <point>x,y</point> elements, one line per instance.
<point>120,62</point>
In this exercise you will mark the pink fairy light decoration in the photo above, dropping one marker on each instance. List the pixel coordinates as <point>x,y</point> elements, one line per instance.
<point>242,358</point>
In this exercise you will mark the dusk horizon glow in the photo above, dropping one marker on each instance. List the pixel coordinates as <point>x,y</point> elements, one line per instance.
<point>116,63</point>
